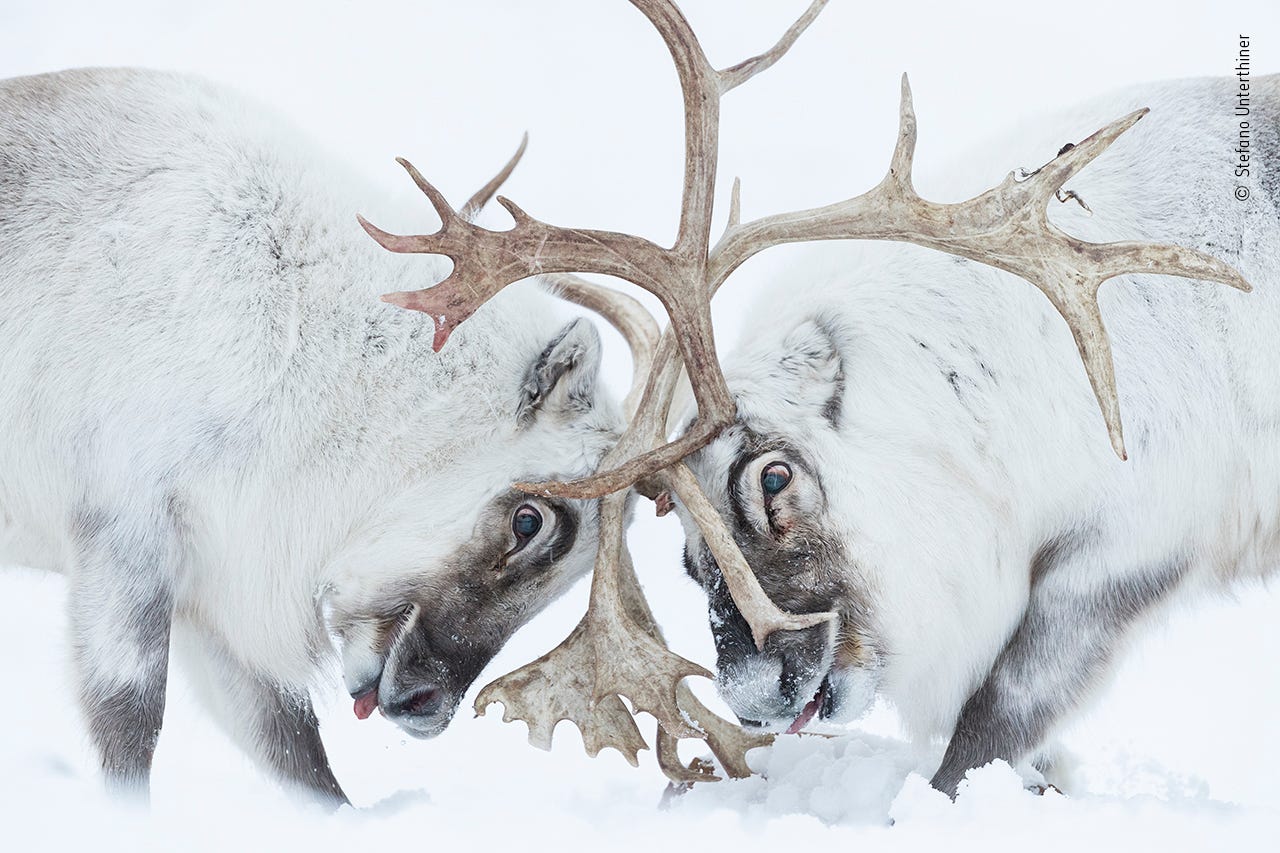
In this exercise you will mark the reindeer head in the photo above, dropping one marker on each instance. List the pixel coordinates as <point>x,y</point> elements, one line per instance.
<point>767,476</point>
<point>453,563</point>
<point>617,649</point>
<point>426,595</point>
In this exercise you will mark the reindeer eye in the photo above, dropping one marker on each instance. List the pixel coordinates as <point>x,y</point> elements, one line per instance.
<point>526,523</point>
<point>774,478</point>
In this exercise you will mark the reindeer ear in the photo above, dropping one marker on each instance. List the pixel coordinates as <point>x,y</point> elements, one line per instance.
<point>812,369</point>
<point>562,379</point>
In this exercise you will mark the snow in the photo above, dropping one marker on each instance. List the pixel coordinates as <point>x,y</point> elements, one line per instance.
<point>1179,754</point>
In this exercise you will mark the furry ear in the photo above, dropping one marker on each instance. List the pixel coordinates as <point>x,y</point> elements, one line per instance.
<point>562,379</point>
<point>812,370</point>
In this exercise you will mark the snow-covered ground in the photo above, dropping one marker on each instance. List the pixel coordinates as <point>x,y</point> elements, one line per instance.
<point>1180,753</point>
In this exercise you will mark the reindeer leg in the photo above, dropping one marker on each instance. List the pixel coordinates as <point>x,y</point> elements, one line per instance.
<point>276,726</point>
<point>121,606</point>
<point>1057,655</point>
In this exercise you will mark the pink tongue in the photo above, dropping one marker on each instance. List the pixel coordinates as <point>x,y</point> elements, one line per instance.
<point>365,704</point>
<point>809,712</point>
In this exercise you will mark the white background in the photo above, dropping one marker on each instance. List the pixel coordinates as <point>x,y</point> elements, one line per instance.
<point>452,86</point>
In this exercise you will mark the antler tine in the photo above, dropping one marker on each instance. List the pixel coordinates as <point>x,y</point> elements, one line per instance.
<point>1006,227</point>
<point>731,78</point>
<point>559,686</point>
<point>437,199</point>
<point>904,152</point>
<point>700,89</point>
<point>729,743</point>
<point>481,197</point>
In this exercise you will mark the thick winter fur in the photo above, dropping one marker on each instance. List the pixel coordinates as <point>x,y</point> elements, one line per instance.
<point>954,495</point>
<point>209,420</point>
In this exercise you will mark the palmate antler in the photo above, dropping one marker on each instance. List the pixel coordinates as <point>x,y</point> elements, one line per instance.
<point>617,648</point>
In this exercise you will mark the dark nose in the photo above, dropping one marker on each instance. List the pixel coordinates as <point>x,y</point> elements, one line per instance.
<point>421,701</point>
<point>802,653</point>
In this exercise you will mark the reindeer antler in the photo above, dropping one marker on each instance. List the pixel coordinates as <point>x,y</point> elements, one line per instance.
<point>486,261</point>
<point>1006,227</point>
<point>617,649</point>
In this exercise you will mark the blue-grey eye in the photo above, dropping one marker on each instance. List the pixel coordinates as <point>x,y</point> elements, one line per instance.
<point>774,478</point>
<point>526,523</point>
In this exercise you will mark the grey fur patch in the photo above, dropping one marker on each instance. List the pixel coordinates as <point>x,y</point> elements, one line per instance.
<point>276,726</point>
<point>1267,156</point>
<point>1063,645</point>
<point>125,719</point>
<point>1056,550</point>
<point>289,739</point>
<point>820,349</point>
<point>125,725</point>
<point>121,606</point>
<point>834,405</point>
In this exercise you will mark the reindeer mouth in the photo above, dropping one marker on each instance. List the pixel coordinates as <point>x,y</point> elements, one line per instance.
<point>366,702</point>
<point>821,706</point>
<point>393,628</point>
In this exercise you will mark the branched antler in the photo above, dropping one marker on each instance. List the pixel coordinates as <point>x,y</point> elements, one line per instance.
<point>486,261</point>
<point>617,649</point>
<point>560,685</point>
<point>1006,227</point>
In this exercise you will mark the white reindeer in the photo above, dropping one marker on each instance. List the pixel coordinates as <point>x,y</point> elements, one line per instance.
<point>208,421</point>
<point>917,448</point>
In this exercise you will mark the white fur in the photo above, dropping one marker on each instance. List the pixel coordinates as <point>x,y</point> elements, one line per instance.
<point>191,332</point>
<point>942,498</point>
